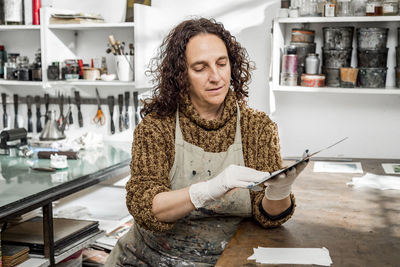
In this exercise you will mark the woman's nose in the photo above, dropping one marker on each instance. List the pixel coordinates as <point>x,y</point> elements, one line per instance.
<point>214,75</point>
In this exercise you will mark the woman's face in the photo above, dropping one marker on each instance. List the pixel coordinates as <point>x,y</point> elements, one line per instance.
<point>209,71</point>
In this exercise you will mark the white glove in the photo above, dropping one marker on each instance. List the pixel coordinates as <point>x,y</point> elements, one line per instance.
<point>280,187</point>
<point>231,177</point>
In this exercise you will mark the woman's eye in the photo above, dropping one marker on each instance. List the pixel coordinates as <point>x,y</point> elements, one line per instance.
<point>199,69</point>
<point>222,64</point>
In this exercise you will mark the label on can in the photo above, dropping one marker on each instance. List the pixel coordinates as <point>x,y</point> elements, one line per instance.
<point>370,8</point>
<point>330,10</point>
<point>388,8</point>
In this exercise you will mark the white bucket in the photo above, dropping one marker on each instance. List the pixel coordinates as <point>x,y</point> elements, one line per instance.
<point>124,67</point>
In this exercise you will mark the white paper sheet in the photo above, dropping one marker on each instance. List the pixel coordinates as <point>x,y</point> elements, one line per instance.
<point>318,256</point>
<point>338,167</point>
<point>391,168</point>
<point>382,182</point>
<point>122,182</point>
<point>102,203</point>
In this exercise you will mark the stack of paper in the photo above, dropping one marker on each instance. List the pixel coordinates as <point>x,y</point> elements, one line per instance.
<point>318,256</point>
<point>382,182</point>
<point>75,18</point>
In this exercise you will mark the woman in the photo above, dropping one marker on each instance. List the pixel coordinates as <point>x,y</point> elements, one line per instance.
<point>195,152</point>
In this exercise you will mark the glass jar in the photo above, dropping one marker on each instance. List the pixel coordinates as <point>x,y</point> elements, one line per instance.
<point>359,7</point>
<point>390,7</point>
<point>330,8</point>
<point>295,3</point>
<point>312,63</point>
<point>304,8</point>
<point>2,60</point>
<point>344,8</point>
<point>320,7</point>
<point>10,67</point>
<point>23,68</point>
<point>36,67</point>
<point>53,72</point>
<point>36,71</point>
<point>374,8</point>
<point>13,12</point>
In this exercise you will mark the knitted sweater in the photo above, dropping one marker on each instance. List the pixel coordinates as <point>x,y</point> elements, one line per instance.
<point>153,153</point>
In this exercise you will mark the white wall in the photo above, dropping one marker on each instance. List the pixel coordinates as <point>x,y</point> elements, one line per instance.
<point>372,122</point>
<point>249,20</point>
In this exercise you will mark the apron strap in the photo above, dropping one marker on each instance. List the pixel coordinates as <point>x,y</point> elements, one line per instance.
<point>238,134</point>
<point>178,132</point>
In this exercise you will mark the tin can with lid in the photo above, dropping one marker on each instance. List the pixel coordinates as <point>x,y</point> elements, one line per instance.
<point>303,35</point>
<point>313,80</point>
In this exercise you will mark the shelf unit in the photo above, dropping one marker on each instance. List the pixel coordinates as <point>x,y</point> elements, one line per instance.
<point>281,37</point>
<point>65,41</point>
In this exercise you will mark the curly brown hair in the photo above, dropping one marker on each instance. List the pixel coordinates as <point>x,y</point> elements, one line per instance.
<point>169,68</point>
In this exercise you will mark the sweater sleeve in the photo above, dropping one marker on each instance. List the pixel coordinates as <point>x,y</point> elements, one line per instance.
<point>268,159</point>
<point>150,165</point>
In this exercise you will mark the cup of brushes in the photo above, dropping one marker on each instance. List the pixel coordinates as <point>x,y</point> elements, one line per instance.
<point>123,61</point>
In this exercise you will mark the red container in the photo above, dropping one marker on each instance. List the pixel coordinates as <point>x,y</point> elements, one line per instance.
<point>36,12</point>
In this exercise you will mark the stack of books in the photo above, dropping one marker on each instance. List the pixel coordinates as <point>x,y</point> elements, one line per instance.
<point>14,255</point>
<point>66,232</point>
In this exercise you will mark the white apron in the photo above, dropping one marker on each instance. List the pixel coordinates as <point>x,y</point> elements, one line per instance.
<point>199,238</point>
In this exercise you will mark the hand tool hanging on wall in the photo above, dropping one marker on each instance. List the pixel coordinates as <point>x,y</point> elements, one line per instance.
<point>70,119</point>
<point>121,117</point>
<point>16,111</point>
<point>78,105</point>
<point>99,119</point>
<point>38,115</point>
<point>61,118</point>
<point>29,101</point>
<point>126,121</point>
<point>135,107</point>
<point>5,117</point>
<point>46,104</point>
<point>110,101</point>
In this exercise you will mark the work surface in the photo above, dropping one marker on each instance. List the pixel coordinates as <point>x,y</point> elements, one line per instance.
<point>359,227</point>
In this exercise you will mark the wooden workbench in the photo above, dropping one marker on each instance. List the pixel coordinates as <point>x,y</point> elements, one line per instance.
<point>359,227</point>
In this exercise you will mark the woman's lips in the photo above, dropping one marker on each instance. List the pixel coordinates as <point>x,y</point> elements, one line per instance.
<point>215,89</point>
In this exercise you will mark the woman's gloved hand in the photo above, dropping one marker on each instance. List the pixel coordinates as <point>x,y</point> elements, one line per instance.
<point>231,177</point>
<point>280,187</point>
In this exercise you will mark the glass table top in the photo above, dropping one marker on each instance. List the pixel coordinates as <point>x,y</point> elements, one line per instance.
<point>18,180</point>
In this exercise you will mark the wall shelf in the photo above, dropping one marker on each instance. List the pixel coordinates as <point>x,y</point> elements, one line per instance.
<point>338,19</point>
<point>373,91</point>
<point>19,27</point>
<point>19,83</point>
<point>92,83</point>
<point>91,26</point>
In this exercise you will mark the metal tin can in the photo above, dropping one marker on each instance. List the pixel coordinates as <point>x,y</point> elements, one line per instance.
<point>303,35</point>
<point>313,80</point>
<point>289,64</point>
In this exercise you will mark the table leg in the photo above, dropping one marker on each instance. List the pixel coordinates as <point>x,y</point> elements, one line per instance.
<point>48,233</point>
